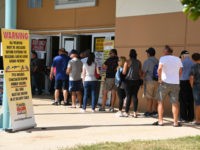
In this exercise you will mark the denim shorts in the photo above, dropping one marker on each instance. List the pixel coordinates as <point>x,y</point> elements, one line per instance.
<point>171,90</point>
<point>75,86</point>
<point>62,84</point>
<point>196,95</point>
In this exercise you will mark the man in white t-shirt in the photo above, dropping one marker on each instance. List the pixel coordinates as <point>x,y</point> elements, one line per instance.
<point>169,72</point>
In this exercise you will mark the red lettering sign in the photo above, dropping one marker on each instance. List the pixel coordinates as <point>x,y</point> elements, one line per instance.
<point>38,44</point>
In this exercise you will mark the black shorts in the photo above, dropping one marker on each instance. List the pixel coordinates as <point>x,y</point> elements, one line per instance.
<point>61,84</point>
<point>75,86</point>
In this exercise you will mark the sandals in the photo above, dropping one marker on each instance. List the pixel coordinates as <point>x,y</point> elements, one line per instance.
<point>158,124</point>
<point>177,125</point>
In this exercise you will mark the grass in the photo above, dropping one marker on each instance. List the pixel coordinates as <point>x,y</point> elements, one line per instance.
<point>187,143</point>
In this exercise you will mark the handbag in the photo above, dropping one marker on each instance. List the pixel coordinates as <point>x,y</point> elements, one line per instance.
<point>97,75</point>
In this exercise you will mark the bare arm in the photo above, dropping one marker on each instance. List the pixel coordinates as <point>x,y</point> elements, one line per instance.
<point>104,66</point>
<point>192,81</point>
<point>125,68</point>
<point>180,72</point>
<point>51,73</point>
<point>83,73</point>
<point>68,70</point>
<point>97,69</point>
<point>159,73</point>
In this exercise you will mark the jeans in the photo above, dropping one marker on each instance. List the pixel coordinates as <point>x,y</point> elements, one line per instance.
<point>132,88</point>
<point>90,88</point>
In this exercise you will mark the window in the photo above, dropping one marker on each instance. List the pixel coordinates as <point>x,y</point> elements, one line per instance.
<point>34,3</point>
<point>64,4</point>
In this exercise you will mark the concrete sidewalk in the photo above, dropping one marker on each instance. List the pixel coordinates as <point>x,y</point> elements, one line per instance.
<point>61,126</point>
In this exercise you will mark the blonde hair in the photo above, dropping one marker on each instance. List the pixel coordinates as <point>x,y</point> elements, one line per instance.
<point>123,60</point>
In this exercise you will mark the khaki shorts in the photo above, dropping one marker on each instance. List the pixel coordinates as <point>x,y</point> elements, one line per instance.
<point>171,90</point>
<point>109,84</point>
<point>150,89</point>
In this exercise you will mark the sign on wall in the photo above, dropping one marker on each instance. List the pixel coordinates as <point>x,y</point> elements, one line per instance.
<point>38,44</point>
<point>16,60</point>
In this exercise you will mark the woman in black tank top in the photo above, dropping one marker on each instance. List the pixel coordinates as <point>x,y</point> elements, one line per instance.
<point>132,70</point>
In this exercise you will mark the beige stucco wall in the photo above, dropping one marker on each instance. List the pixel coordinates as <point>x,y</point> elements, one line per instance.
<point>2,13</point>
<point>47,18</point>
<point>143,28</point>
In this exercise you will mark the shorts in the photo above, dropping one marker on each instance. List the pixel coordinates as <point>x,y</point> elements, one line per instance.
<point>172,90</point>
<point>75,86</point>
<point>109,84</point>
<point>61,84</point>
<point>150,89</point>
<point>196,95</point>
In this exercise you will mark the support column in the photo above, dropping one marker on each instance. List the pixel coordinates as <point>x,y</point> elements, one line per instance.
<point>10,23</point>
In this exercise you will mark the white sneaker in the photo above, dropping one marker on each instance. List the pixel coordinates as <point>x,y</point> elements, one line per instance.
<point>83,110</point>
<point>125,114</point>
<point>119,114</point>
<point>93,110</point>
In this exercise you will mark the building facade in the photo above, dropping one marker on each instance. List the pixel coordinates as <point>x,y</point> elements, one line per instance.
<point>135,24</point>
<point>154,23</point>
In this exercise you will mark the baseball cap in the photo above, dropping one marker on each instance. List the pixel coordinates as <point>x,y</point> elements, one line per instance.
<point>184,52</point>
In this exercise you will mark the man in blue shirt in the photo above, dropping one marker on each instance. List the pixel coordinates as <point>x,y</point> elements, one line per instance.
<point>185,96</point>
<point>58,70</point>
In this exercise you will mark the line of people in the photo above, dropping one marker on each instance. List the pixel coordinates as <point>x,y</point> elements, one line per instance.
<point>169,76</point>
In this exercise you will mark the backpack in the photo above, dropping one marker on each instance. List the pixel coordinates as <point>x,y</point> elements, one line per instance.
<point>133,71</point>
<point>155,72</point>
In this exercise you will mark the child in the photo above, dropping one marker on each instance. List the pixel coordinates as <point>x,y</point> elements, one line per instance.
<point>120,85</point>
<point>195,83</point>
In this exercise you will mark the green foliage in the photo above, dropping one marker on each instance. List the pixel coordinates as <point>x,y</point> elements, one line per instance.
<point>191,8</point>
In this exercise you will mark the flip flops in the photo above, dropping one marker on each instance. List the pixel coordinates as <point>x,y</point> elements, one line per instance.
<point>177,125</point>
<point>157,124</point>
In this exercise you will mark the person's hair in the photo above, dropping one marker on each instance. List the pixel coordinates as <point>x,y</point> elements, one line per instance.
<point>196,56</point>
<point>34,53</point>
<point>114,51</point>
<point>151,51</point>
<point>168,49</point>
<point>90,59</point>
<point>122,59</point>
<point>133,54</point>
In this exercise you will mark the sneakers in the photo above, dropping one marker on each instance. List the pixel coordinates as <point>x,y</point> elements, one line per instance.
<point>125,114</point>
<point>147,114</point>
<point>83,110</point>
<point>93,111</point>
<point>119,114</point>
<point>55,103</point>
<point>102,109</point>
<point>111,109</point>
<point>154,114</point>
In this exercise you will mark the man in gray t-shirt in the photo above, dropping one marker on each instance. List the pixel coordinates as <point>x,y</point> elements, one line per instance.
<point>150,85</point>
<point>74,69</point>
